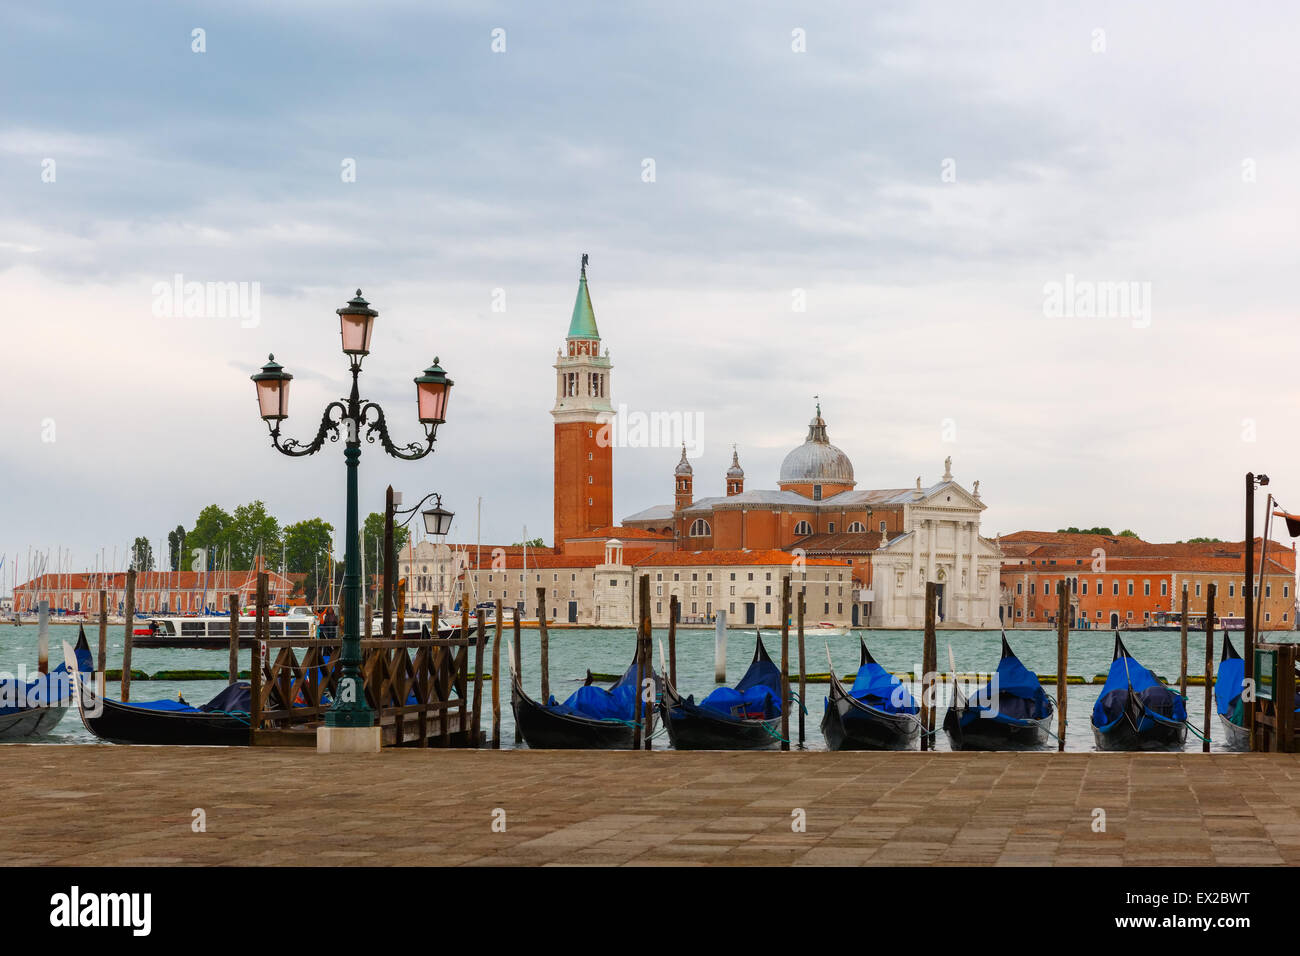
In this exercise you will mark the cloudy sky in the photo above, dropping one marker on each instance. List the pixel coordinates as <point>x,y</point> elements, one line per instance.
<point>922,176</point>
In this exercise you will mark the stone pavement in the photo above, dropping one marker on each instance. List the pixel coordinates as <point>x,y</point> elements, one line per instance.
<point>102,805</point>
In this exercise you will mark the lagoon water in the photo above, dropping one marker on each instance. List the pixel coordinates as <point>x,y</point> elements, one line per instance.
<point>574,651</point>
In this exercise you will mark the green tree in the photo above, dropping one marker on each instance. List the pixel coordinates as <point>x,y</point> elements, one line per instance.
<point>142,555</point>
<point>211,533</point>
<point>306,551</point>
<point>1073,530</point>
<point>1126,533</point>
<point>372,538</point>
<point>1204,540</point>
<point>176,547</point>
<point>252,528</point>
<point>531,542</point>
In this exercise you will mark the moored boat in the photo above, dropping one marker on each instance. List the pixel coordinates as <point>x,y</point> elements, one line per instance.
<point>591,719</point>
<point>746,717</point>
<point>1229,683</point>
<point>1010,712</point>
<point>34,708</point>
<point>876,713</point>
<point>222,721</point>
<point>1135,711</point>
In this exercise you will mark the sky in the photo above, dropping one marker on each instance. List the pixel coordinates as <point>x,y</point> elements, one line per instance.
<point>902,208</point>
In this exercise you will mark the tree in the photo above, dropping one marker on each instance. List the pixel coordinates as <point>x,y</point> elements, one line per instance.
<point>1072,530</point>
<point>531,542</point>
<point>1126,533</point>
<point>211,533</point>
<point>306,551</point>
<point>252,528</point>
<point>372,538</point>
<point>142,555</point>
<point>176,547</point>
<point>1204,541</point>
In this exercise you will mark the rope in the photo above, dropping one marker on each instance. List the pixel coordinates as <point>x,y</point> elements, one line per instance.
<point>1195,731</point>
<point>794,695</point>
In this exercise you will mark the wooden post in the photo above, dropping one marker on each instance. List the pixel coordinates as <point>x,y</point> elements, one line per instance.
<point>368,628</point>
<point>1182,672</point>
<point>496,683</point>
<point>645,708</point>
<point>1210,592</point>
<point>103,630</point>
<point>401,610</point>
<point>462,686</point>
<point>43,637</point>
<point>1062,659</point>
<point>546,644</point>
<point>390,558</point>
<point>478,677</point>
<point>785,662</point>
<point>638,609</point>
<point>1249,636</point>
<point>130,626</point>
<point>233,666</point>
<point>519,670</point>
<point>672,640</point>
<point>927,665</point>
<point>802,671</point>
<point>255,690</point>
<point>720,647</point>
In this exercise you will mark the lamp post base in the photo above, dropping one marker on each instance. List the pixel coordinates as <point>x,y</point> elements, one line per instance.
<point>348,740</point>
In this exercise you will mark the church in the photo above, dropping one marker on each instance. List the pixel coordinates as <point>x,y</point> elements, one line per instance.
<point>893,540</point>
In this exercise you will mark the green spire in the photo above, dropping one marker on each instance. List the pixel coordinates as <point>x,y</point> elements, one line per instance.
<point>583,323</point>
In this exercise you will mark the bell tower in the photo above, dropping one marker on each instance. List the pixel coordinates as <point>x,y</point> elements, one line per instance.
<point>584,460</point>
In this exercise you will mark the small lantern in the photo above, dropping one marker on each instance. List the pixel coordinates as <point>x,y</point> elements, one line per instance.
<point>273,391</point>
<point>431,391</point>
<point>437,520</point>
<point>356,322</point>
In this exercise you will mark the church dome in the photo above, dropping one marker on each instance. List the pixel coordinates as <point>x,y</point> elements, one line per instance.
<point>683,468</point>
<point>816,460</point>
<point>735,471</point>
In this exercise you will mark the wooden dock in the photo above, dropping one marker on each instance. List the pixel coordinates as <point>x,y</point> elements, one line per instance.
<point>101,805</point>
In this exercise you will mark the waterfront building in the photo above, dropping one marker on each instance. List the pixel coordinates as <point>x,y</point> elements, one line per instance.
<point>156,592</point>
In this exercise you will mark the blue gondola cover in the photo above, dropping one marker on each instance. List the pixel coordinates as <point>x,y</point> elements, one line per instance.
<point>878,688</point>
<point>1158,701</point>
<point>1020,695</point>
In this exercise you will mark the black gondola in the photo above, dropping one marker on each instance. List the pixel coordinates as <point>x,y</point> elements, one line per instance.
<point>223,721</point>
<point>1021,719</point>
<point>876,713</point>
<point>747,717</point>
<point>555,726</point>
<point>40,707</point>
<point>1228,685</point>
<point>1135,711</point>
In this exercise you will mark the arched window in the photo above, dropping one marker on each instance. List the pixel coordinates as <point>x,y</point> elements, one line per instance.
<point>803,527</point>
<point>700,528</point>
<point>857,526</point>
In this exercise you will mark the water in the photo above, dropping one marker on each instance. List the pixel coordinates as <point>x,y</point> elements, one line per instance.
<point>574,651</point>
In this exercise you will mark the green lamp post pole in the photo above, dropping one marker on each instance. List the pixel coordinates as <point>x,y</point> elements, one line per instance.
<point>353,414</point>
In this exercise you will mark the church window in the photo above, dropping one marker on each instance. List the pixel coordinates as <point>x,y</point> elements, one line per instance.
<point>700,528</point>
<point>830,527</point>
<point>803,527</point>
<point>857,526</point>
<point>591,479</point>
<point>588,456</point>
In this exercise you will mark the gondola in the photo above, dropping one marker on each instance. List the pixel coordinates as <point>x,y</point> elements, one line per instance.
<point>1135,711</point>
<point>876,713</point>
<point>746,717</point>
<point>222,721</point>
<point>1229,682</point>
<point>591,719</point>
<point>36,708</point>
<point>1019,719</point>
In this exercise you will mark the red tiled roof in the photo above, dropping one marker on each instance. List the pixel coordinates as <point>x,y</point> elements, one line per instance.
<point>543,561</point>
<point>668,559</point>
<point>153,580</point>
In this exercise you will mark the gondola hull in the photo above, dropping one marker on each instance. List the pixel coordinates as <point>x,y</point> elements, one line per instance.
<point>27,724</point>
<point>985,734</point>
<point>851,725</point>
<point>1235,736</point>
<point>544,729</point>
<point>691,727</point>
<point>121,723</point>
<point>1155,735</point>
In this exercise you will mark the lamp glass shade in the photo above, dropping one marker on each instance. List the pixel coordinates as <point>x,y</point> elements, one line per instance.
<point>437,520</point>
<point>356,329</point>
<point>432,390</point>
<point>273,399</point>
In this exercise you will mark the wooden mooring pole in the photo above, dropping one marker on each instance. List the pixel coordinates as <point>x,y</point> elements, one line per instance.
<point>1182,669</point>
<point>233,664</point>
<point>645,694</point>
<point>1062,659</point>
<point>43,637</point>
<point>462,685</point>
<point>519,668</point>
<point>640,611</point>
<point>496,683</point>
<point>1210,592</point>
<point>103,631</point>
<point>928,653</point>
<point>545,637</point>
<point>802,669</point>
<point>478,678</point>
<point>672,639</point>
<point>130,627</point>
<point>785,662</point>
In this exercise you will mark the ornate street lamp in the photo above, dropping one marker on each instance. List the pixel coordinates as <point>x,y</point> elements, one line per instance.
<point>437,522</point>
<point>356,323</point>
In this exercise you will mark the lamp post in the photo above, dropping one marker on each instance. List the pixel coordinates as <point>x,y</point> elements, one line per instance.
<point>437,522</point>
<point>350,416</point>
<point>1249,624</point>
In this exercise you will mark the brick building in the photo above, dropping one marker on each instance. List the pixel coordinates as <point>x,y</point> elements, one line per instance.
<point>156,592</point>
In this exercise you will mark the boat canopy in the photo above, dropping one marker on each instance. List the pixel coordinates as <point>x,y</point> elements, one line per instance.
<point>47,690</point>
<point>880,689</point>
<point>1126,675</point>
<point>1020,694</point>
<point>596,703</point>
<point>756,696</point>
<point>1229,682</point>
